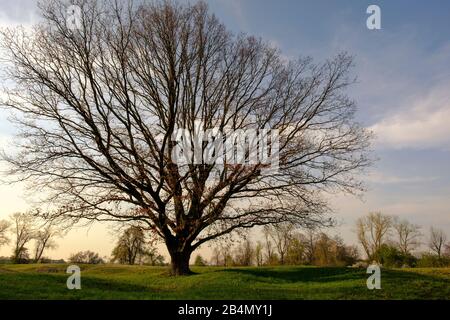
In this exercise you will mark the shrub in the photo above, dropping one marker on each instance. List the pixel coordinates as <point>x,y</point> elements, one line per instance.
<point>199,261</point>
<point>86,257</point>
<point>428,260</point>
<point>391,257</point>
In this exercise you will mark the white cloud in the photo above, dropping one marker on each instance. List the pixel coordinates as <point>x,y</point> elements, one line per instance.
<point>403,88</point>
<point>425,124</point>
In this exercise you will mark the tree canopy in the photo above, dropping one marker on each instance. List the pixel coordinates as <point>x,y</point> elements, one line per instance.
<point>99,107</point>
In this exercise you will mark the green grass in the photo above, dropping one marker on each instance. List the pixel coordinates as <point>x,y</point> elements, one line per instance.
<point>140,282</point>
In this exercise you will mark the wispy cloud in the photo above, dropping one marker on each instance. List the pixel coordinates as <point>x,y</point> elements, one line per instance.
<point>422,125</point>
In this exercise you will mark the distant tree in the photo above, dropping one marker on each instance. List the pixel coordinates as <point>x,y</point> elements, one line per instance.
<point>271,256</point>
<point>4,228</point>
<point>332,251</point>
<point>120,255</point>
<point>447,250</point>
<point>259,255</point>
<point>199,261</point>
<point>215,258</point>
<point>228,259</point>
<point>152,257</point>
<point>431,260</point>
<point>86,257</point>
<point>296,250</point>
<point>136,247</point>
<point>325,249</point>
<point>373,231</point>
<point>351,255</point>
<point>226,256</point>
<point>309,243</point>
<point>244,254</point>
<point>346,255</point>
<point>222,254</point>
<point>130,245</point>
<point>48,260</point>
<point>407,234</point>
<point>281,235</point>
<point>437,241</point>
<point>45,239</point>
<point>392,257</point>
<point>24,232</point>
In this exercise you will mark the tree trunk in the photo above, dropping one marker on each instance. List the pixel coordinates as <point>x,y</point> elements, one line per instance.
<point>180,262</point>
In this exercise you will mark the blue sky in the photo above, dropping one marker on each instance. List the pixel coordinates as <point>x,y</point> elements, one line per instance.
<point>403,91</point>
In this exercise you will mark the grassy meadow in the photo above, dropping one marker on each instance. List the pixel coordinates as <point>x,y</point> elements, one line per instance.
<point>143,282</point>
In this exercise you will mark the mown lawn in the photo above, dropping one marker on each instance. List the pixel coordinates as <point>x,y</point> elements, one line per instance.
<point>140,282</point>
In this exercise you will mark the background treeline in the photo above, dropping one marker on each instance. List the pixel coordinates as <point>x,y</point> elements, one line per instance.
<point>394,242</point>
<point>283,245</point>
<point>386,240</point>
<point>31,237</point>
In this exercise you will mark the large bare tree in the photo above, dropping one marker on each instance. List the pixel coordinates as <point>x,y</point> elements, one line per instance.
<point>99,106</point>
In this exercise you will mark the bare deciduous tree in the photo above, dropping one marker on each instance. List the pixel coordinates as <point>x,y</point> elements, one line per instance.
<point>99,107</point>
<point>45,239</point>
<point>408,235</point>
<point>222,254</point>
<point>4,228</point>
<point>447,250</point>
<point>309,242</point>
<point>296,250</point>
<point>24,232</point>
<point>136,245</point>
<point>271,256</point>
<point>324,251</point>
<point>437,241</point>
<point>130,245</point>
<point>259,255</point>
<point>199,261</point>
<point>151,256</point>
<point>333,251</point>
<point>244,254</point>
<point>372,231</point>
<point>215,258</point>
<point>281,235</point>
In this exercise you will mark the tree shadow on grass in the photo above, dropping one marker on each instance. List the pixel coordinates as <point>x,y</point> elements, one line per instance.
<point>350,283</point>
<point>329,274</point>
<point>301,274</point>
<point>53,286</point>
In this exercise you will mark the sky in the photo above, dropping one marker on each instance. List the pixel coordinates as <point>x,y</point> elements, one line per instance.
<point>402,92</point>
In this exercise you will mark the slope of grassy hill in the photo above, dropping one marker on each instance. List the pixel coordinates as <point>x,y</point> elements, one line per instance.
<point>142,282</point>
